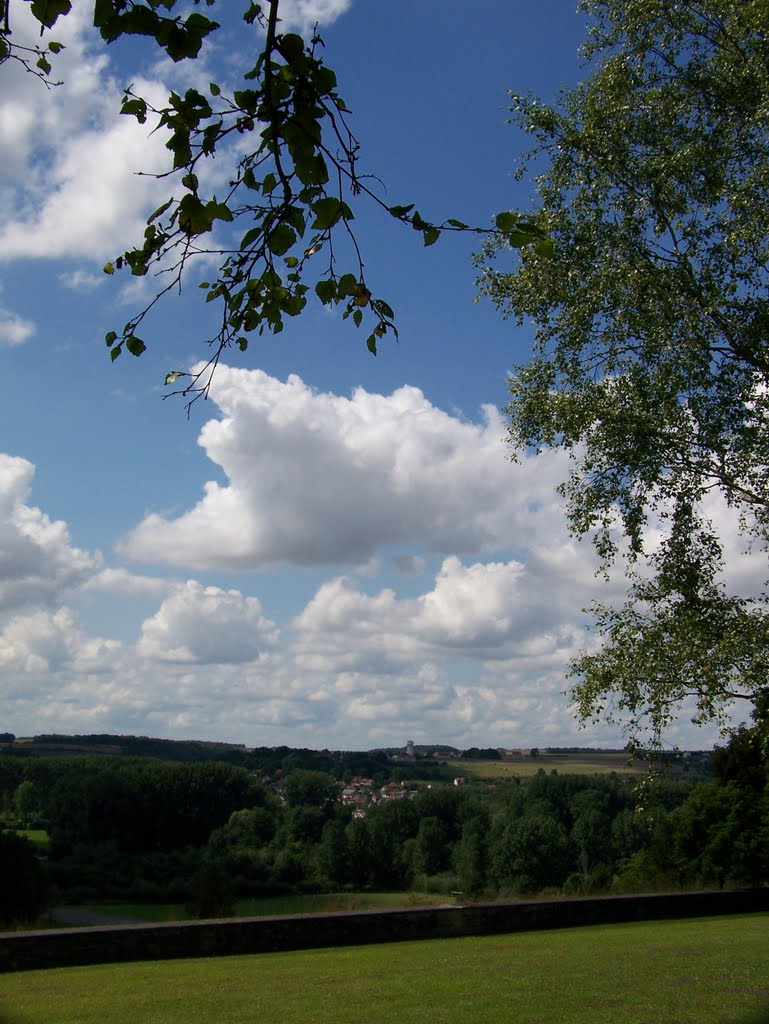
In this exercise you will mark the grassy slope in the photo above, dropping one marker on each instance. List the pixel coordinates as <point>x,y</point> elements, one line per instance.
<point>711,971</point>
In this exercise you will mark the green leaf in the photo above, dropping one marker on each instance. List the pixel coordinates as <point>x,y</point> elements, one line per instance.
<point>506,221</point>
<point>173,376</point>
<point>194,217</point>
<point>214,89</point>
<point>160,211</point>
<point>456,223</point>
<point>135,106</point>
<point>518,239</point>
<point>219,211</point>
<point>357,317</point>
<point>401,211</point>
<point>109,268</point>
<point>110,338</point>
<point>371,344</point>
<point>431,235</point>
<point>281,239</point>
<point>312,170</point>
<point>115,352</point>
<point>48,11</point>
<point>134,345</point>
<point>44,65</point>
<point>326,290</point>
<point>348,285</point>
<point>328,212</point>
<point>545,248</point>
<point>383,308</point>
<point>55,47</point>
<point>291,46</point>
<point>295,218</point>
<point>251,236</point>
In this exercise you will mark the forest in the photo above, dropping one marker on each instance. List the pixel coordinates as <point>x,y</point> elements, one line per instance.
<point>205,832</point>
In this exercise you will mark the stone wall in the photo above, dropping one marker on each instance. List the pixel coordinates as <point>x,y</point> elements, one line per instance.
<point>81,946</point>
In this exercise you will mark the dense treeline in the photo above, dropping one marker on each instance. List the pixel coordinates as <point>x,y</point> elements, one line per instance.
<point>268,760</point>
<point>206,832</point>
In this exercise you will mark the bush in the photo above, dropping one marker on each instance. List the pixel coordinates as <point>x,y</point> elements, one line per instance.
<point>24,885</point>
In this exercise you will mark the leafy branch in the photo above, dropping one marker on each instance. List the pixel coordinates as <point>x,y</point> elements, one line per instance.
<point>283,229</point>
<point>294,193</point>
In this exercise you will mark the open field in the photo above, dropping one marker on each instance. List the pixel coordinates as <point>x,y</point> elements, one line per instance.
<point>292,903</point>
<point>564,764</point>
<point>708,971</point>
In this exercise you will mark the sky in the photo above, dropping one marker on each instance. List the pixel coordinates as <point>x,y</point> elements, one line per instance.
<point>334,550</point>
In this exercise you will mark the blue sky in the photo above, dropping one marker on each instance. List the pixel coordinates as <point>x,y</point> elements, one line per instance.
<point>334,550</point>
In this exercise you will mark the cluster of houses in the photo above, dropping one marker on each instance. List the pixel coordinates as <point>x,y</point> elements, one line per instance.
<point>361,793</point>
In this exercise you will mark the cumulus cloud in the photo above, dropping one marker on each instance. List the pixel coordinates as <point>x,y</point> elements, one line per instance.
<point>68,182</point>
<point>37,560</point>
<point>14,330</point>
<point>484,611</point>
<point>317,478</point>
<point>305,14</point>
<point>50,642</point>
<point>207,625</point>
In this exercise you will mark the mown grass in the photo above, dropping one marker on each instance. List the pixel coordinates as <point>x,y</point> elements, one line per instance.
<point>292,903</point>
<point>708,971</point>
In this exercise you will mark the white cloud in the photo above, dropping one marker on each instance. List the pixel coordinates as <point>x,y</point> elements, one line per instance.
<point>49,642</point>
<point>15,330</point>
<point>303,15</point>
<point>207,625</point>
<point>491,611</point>
<point>82,280</point>
<point>128,584</point>
<point>68,183</point>
<point>318,478</point>
<point>37,561</point>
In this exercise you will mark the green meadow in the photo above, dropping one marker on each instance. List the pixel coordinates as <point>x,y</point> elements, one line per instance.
<point>564,764</point>
<point>705,971</point>
<point>291,903</point>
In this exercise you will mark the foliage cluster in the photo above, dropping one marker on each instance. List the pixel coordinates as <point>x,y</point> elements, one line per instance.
<point>282,228</point>
<point>650,365</point>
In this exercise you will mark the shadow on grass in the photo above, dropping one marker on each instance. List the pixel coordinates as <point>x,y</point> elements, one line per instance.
<point>760,1016</point>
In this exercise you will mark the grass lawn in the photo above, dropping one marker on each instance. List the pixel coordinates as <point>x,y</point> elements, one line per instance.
<point>316,903</point>
<point>705,971</point>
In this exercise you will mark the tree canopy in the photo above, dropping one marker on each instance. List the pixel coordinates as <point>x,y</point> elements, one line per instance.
<point>651,363</point>
<point>282,228</point>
